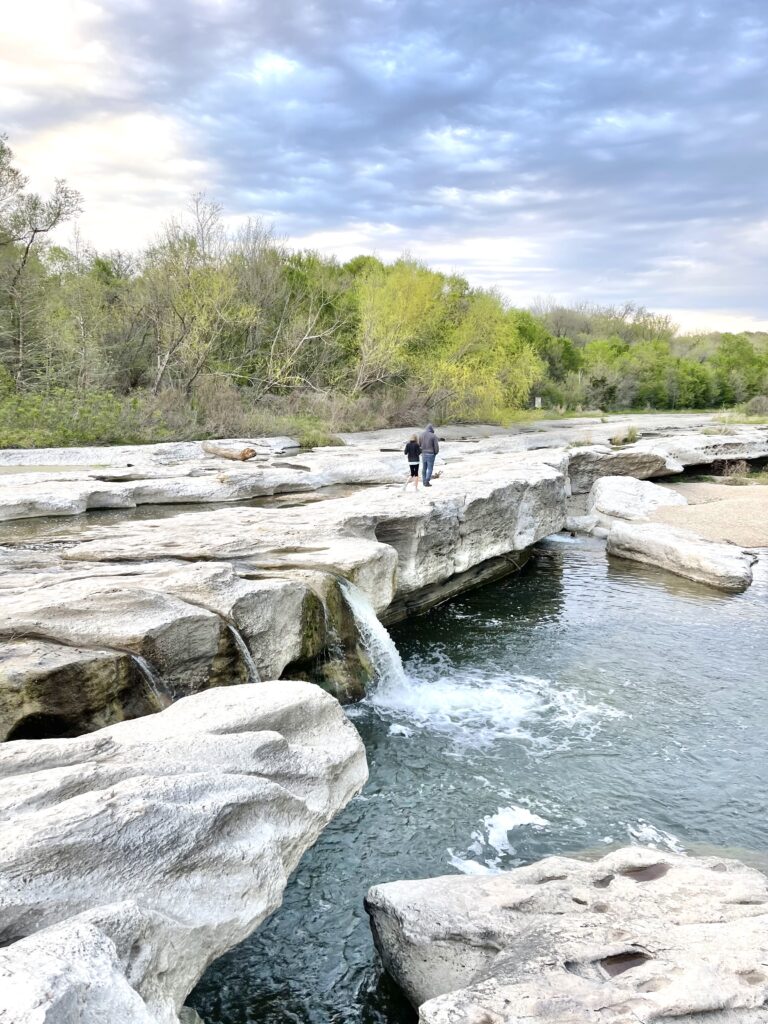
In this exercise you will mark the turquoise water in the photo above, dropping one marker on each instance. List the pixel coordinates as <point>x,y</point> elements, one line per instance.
<point>581,705</point>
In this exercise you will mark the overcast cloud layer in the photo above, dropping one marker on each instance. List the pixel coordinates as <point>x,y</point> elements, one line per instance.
<point>597,149</point>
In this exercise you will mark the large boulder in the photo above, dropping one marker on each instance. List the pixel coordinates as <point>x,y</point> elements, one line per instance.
<point>134,856</point>
<point>623,497</point>
<point>684,553</point>
<point>637,935</point>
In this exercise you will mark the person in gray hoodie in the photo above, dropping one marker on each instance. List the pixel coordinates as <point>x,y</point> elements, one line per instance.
<point>430,446</point>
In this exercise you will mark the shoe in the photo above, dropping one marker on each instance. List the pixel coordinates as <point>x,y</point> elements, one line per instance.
<point>427,485</point>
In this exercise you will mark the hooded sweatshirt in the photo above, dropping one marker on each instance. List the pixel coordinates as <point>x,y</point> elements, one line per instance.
<point>428,441</point>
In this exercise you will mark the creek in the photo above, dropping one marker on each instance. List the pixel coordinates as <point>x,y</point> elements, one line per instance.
<point>580,705</point>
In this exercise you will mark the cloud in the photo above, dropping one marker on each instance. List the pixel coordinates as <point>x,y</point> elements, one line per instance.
<point>608,149</point>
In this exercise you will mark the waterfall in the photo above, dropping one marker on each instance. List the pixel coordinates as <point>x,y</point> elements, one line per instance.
<point>152,680</point>
<point>245,654</point>
<point>377,642</point>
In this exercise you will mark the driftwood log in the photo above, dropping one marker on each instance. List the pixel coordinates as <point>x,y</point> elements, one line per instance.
<point>236,454</point>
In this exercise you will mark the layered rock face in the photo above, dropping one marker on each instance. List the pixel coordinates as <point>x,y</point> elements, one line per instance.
<point>174,591</point>
<point>68,482</point>
<point>655,457</point>
<point>638,935</point>
<point>134,856</point>
<point>189,594</point>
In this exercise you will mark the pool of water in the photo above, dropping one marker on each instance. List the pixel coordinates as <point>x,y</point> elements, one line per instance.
<point>40,529</point>
<point>583,704</point>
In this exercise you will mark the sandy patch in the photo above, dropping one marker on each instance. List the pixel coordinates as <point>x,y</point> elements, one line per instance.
<point>721,512</point>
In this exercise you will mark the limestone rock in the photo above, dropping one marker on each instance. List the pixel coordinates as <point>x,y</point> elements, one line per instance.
<point>172,590</point>
<point>637,935</point>
<point>654,457</point>
<point>581,524</point>
<point>134,856</point>
<point>684,553</point>
<point>185,643</point>
<point>47,688</point>
<point>623,497</point>
<point>591,462</point>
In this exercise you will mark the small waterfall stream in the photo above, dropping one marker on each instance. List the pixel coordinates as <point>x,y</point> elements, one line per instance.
<point>245,654</point>
<point>152,680</point>
<point>379,645</point>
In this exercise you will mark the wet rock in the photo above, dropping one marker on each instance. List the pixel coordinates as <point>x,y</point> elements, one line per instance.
<point>581,524</point>
<point>50,690</point>
<point>684,553</point>
<point>638,935</point>
<point>134,856</point>
<point>622,497</point>
<point>188,645</point>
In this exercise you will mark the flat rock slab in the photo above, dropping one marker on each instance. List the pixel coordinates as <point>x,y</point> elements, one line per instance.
<point>134,856</point>
<point>623,497</point>
<point>638,935</point>
<point>684,553</point>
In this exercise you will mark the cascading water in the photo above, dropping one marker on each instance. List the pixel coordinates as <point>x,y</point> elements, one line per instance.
<point>245,654</point>
<point>378,644</point>
<point>152,680</point>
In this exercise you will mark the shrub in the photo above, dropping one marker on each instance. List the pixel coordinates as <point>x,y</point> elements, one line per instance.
<point>757,406</point>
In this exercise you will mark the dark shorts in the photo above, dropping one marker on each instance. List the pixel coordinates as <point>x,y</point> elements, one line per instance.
<point>414,468</point>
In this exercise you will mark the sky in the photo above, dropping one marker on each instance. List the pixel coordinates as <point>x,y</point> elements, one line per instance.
<point>578,150</point>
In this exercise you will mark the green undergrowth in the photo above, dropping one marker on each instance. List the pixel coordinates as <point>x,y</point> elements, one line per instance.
<point>64,418</point>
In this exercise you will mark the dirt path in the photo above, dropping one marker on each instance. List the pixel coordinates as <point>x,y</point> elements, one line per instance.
<point>721,512</point>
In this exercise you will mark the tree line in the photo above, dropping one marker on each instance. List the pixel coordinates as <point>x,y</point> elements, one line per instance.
<point>210,330</point>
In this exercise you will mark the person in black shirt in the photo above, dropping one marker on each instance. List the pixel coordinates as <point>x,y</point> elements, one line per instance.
<point>412,453</point>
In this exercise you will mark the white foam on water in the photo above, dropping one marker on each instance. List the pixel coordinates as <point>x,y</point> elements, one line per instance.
<point>468,867</point>
<point>498,826</point>
<point>474,705</point>
<point>396,729</point>
<point>644,834</point>
<point>479,707</point>
<point>494,834</point>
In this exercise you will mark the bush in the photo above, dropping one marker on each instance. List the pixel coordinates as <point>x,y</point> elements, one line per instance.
<point>60,418</point>
<point>757,406</point>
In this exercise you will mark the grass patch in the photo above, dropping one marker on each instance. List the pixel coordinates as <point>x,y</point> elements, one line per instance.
<point>629,436</point>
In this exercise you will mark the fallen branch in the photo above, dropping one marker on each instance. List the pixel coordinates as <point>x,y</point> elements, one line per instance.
<point>236,454</point>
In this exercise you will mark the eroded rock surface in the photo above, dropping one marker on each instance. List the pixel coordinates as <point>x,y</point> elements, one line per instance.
<point>134,856</point>
<point>655,457</point>
<point>623,497</point>
<point>173,590</point>
<point>684,553</point>
<point>639,935</point>
<point>47,688</point>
